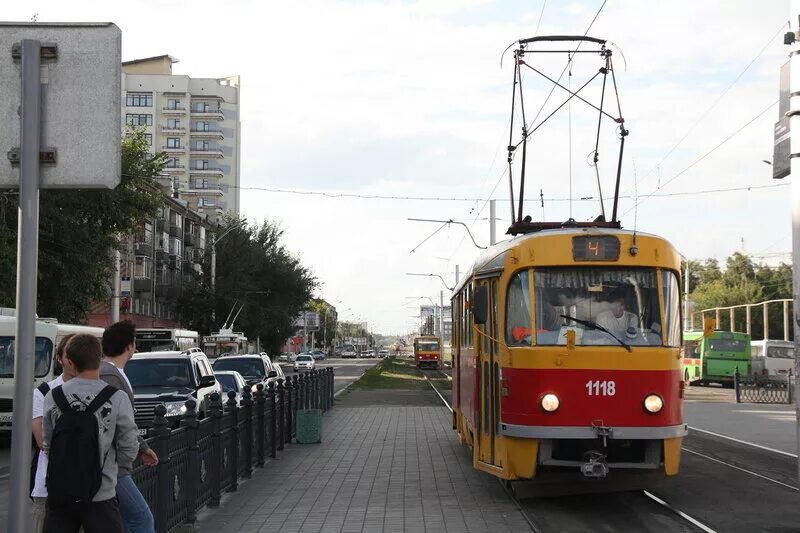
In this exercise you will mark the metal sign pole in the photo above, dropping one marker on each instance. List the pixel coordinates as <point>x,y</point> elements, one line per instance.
<point>794,113</point>
<point>27,258</point>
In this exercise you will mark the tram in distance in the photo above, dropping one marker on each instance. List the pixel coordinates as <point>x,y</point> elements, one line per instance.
<point>567,357</point>
<point>428,352</point>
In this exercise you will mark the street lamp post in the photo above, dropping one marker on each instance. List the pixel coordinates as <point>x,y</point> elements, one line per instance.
<point>214,241</point>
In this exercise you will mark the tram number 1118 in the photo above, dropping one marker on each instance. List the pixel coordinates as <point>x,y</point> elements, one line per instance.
<point>601,388</point>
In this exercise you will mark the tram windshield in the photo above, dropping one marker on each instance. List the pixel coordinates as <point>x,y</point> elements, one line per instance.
<point>623,302</point>
<point>428,346</point>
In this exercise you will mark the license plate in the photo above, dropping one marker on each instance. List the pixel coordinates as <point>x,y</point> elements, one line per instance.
<point>143,432</point>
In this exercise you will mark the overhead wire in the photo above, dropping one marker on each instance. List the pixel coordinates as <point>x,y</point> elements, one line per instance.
<point>702,157</point>
<point>712,106</point>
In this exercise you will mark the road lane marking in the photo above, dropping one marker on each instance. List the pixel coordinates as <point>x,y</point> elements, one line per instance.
<point>683,515</point>
<point>754,445</point>
<point>704,456</point>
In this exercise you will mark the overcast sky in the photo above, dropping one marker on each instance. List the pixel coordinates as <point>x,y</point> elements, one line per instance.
<point>409,99</point>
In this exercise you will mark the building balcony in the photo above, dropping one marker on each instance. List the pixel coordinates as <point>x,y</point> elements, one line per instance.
<point>143,248</point>
<point>198,255</point>
<point>173,149</point>
<point>210,133</point>
<point>143,284</point>
<point>167,130</point>
<point>209,171</point>
<point>175,169</point>
<point>207,153</point>
<point>175,231</point>
<point>188,240</point>
<point>215,114</point>
<point>177,110</point>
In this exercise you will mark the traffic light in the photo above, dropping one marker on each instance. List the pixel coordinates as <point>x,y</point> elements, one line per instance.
<point>708,326</point>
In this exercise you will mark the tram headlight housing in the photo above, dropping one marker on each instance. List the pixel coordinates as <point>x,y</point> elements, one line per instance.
<point>653,403</point>
<point>550,402</point>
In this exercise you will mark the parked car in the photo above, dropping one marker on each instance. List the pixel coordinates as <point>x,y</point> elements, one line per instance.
<point>318,355</point>
<point>255,368</point>
<point>367,353</point>
<point>287,357</point>
<point>304,362</point>
<point>230,380</point>
<point>169,378</point>
<point>383,353</point>
<point>349,352</point>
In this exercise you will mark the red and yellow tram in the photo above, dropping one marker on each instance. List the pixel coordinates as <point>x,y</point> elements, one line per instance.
<point>567,357</point>
<point>428,352</point>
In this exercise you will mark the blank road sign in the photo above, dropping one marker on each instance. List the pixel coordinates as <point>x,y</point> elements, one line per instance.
<point>81,103</point>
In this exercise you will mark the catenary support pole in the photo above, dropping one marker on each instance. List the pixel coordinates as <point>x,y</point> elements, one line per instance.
<point>27,262</point>
<point>794,126</point>
<point>116,289</point>
<point>492,216</point>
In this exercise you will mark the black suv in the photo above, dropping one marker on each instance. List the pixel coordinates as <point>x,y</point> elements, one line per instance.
<point>169,378</point>
<point>254,369</point>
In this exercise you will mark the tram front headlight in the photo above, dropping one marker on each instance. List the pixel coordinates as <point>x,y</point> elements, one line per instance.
<point>550,402</point>
<point>653,403</point>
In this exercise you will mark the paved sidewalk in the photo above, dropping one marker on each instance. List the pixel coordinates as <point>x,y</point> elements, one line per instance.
<point>386,468</point>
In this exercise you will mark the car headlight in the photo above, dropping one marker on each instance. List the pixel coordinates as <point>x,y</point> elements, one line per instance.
<point>550,402</point>
<point>254,388</point>
<point>653,403</point>
<point>175,408</point>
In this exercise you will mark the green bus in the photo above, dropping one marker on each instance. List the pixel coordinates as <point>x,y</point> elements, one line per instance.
<point>715,359</point>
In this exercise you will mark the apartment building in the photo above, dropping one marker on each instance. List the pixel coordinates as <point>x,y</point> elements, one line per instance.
<point>196,122</point>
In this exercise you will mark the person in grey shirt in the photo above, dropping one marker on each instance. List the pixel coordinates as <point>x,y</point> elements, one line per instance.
<point>119,343</point>
<point>117,441</point>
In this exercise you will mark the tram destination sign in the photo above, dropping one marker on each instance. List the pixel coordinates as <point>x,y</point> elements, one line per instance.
<point>600,248</point>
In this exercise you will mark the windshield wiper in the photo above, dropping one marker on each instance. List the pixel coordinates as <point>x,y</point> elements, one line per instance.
<point>595,325</point>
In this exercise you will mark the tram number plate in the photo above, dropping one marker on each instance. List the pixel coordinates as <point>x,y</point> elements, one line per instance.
<point>601,388</point>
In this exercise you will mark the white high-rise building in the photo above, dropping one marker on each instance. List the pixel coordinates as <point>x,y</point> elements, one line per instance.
<point>196,122</point>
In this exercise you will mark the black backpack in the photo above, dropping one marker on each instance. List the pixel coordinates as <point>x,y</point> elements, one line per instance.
<point>44,388</point>
<point>74,471</point>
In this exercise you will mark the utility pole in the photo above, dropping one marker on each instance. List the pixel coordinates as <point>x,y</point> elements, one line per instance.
<point>794,127</point>
<point>214,276</point>
<point>686,322</point>
<point>492,232</point>
<point>441,315</point>
<point>116,288</point>
<point>458,274</point>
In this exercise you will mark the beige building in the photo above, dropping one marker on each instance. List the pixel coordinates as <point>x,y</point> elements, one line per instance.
<point>196,122</point>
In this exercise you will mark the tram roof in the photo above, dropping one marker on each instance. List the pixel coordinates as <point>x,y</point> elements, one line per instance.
<point>493,258</point>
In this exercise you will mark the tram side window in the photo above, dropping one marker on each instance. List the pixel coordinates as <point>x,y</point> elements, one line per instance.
<point>518,311</point>
<point>672,310</point>
<point>691,350</point>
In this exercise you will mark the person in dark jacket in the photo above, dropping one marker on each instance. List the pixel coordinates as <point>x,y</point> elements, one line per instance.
<point>119,343</point>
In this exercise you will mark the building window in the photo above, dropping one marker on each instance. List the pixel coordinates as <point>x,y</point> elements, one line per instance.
<point>201,126</point>
<point>173,162</point>
<point>202,145</point>
<point>132,119</point>
<point>139,100</point>
<point>200,107</point>
<point>201,164</point>
<point>149,138</point>
<point>172,104</point>
<point>173,123</point>
<point>173,142</point>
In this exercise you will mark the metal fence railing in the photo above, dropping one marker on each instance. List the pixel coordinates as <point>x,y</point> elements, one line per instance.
<point>763,389</point>
<point>204,458</point>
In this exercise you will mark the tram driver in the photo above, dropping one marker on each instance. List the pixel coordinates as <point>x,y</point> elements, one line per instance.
<point>616,318</point>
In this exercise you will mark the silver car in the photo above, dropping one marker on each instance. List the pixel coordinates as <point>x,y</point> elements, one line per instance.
<point>304,362</point>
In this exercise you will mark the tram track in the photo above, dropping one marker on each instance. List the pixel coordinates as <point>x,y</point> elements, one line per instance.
<point>606,512</point>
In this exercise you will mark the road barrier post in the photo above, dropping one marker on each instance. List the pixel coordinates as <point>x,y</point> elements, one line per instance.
<point>737,385</point>
<point>289,406</point>
<point>162,433</point>
<point>233,408</point>
<point>215,412</point>
<point>261,400</point>
<point>192,481</point>
<point>273,426</point>
<point>247,414</point>
<point>281,410</point>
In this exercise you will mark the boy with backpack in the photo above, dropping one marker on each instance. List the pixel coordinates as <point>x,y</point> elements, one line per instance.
<point>39,459</point>
<point>88,430</point>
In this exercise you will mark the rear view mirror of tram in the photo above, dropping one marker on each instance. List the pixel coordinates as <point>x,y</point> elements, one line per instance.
<point>480,304</point>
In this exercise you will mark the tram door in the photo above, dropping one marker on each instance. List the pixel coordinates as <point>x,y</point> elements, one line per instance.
<point>489,379</point>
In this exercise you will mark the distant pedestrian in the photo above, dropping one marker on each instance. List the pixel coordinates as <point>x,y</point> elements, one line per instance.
<point>119,343</point>
<point>88,430</point>
<point>39,462</point>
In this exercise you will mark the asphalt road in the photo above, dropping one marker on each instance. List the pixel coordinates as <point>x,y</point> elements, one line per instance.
<point>345,371</point>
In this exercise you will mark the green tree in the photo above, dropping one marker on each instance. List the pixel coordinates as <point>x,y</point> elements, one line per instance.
<point>255,269</point>
<point>78,233</point>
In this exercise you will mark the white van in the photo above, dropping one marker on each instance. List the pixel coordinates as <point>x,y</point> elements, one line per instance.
<point>772,357</point>
<point>48,334</point>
